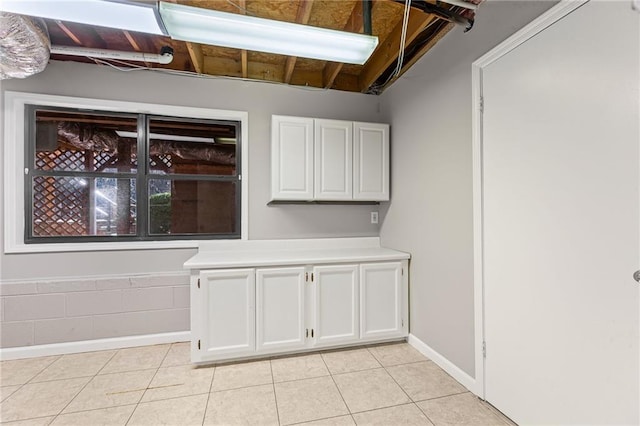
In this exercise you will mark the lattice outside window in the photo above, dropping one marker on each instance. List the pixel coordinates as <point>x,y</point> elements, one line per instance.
<point>112,176</point>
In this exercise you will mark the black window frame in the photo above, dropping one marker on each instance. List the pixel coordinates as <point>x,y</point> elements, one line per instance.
<point>142,175</point>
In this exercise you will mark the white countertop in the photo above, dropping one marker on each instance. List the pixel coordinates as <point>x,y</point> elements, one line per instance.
<point>254,253</point>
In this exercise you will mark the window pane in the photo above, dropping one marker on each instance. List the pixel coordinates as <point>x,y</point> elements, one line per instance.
<point>85,142</point>
<point>185,147</point>
<point>74,206</point>
<point>192,207</point>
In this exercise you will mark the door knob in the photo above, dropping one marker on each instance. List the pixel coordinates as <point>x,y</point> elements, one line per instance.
<point>636,276</point>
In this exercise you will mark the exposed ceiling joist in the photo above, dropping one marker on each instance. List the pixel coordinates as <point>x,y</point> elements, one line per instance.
<point>355,24</point>
<point>387,52</point>
<point>428,22</point>
<point>302,17</point>
<point>196,55</point>
<point>244,57</point>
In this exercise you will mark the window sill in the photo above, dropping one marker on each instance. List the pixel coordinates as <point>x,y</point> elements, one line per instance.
<point>84,247</point>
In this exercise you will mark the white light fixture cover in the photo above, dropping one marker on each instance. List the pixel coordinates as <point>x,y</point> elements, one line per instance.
<point>141,17</point>
<point>264,35</point>
<point>178,138</point>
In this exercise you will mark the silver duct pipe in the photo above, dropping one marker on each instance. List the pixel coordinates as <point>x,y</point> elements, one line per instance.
<point>164,57</point>
<point>24,46</point>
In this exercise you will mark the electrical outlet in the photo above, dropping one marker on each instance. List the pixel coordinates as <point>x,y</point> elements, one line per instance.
<point>374,217</point>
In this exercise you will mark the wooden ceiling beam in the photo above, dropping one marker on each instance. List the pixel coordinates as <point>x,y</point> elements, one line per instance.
<point>244,57</point>
<point>82,35</point>
<point>132,41</point>
<point>387,52</point>
<point>139,44</point>
<point>302,17</point>
<point>196,55</point>
<point>355,24</point>
<point>424,49</point>
<point>69,33</point>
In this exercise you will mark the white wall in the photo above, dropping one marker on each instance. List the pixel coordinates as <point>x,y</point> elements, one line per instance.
<point>260,100</point>
<point>66,297</point>
<point>430,214</point>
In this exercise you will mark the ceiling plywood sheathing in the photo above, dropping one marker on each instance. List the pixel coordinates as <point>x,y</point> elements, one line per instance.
<point>344,15</point>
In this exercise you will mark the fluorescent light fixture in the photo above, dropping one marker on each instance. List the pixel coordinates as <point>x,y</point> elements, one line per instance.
<point>226,141</point>
<point>264,35</point>
<point>177,138</point>
<point>141,17</point>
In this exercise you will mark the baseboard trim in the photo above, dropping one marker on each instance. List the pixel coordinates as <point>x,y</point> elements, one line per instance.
<point>454,371</point>
<point>93,345</point>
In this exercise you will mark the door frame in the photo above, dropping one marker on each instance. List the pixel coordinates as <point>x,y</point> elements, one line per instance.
<point>550,17</point>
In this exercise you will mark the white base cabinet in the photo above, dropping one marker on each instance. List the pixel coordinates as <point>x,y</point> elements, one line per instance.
<point>279,306</point>
<point>336,304</point>
<point>381,302</point>
<point>227,306</point>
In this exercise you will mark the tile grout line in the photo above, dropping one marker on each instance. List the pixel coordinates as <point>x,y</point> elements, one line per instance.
<point>320,419</point>
<point>150,381</point>
<point>337,387</point>
<point>398,384</point>
<point>275,396</point>
<point>206,406</point>
<point>412,402</point>
<point>442,396</point>
<point>86,384</point>
<point>21,385</point>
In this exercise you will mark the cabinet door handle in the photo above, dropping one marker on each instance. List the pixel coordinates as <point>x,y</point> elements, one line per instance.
<point>307,333</point>
<point>312,332</point>
<point>306,276</point>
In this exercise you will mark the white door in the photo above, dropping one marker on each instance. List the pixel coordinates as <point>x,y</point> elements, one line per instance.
<point>561,221</point>
<point>291,158</point>
<point>371,161</point>
<point>333,145</point>
<point>280,308</point>
<point>336,304</point>
<point>227,313</point>
<point>381,300</point>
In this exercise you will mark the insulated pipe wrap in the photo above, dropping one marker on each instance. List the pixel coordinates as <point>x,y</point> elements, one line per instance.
<point>24,46</point>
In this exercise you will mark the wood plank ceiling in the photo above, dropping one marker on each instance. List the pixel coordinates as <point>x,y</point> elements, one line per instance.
<point>423,31</point>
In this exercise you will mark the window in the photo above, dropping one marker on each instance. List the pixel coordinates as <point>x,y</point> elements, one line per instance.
<point>83,174</point>
<point>129,176</point>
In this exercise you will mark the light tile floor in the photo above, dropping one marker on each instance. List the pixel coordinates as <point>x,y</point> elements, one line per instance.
<point>154,385</point>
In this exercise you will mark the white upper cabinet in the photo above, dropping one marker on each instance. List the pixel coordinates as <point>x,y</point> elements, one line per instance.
<point>333,147</point>
<point>371,161</point>
<point>291,158</point>
<point>280,308</point>
<point>328,160</point>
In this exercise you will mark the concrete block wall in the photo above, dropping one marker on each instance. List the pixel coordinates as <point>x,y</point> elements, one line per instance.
<point>45,312</point>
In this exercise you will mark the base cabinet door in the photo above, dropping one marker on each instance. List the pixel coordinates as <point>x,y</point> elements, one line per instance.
<point>336,304</point>
<point>228,313</point>
<point>381,300</point>
<point>280,308</point>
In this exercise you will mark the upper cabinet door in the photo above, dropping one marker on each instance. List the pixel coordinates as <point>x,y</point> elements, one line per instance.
<point>291,158</point>
<point>371,162</point>
<point>333,160</point>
